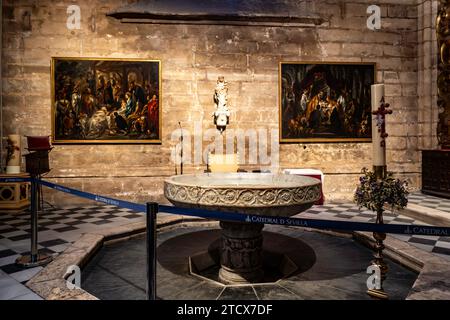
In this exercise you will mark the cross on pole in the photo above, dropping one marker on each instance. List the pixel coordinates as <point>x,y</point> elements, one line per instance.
<point>381,120</point>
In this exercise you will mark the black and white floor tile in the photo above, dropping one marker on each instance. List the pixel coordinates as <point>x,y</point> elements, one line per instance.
<point>350,212</point>
<point>425,200</point>
<point>58,228</point>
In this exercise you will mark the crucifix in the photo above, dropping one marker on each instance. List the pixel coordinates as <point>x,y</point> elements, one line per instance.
<point>380,114</point>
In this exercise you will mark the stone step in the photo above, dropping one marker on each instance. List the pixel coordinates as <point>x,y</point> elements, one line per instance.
<point>428,215</point>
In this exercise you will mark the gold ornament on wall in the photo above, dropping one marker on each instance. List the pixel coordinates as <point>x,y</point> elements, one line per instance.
<point>443,78</point>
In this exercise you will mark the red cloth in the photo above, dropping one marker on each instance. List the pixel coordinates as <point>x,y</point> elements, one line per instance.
<point>36,143</point>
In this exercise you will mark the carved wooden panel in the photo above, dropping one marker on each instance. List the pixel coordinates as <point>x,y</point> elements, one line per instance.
<point>443,79</point>
<point>436,172</point>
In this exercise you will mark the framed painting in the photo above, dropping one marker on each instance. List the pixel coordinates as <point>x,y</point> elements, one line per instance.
<point>325,102</point>
<point>106,100</point>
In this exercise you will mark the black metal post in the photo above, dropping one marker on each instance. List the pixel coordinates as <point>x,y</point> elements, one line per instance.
<point>152,210</point>
<point>35,258</point>
<point>34,220</point>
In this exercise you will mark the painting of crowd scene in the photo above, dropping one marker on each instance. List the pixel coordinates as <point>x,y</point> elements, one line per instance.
<point>106,101</point>
<point>325,102</point>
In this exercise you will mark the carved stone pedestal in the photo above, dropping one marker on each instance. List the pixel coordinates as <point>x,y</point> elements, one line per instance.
<point>241,253</point>
<point>14,196</point>
<point>267,195</point>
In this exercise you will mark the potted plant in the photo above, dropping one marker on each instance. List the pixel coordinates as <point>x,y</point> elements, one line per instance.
<point>373,193</point>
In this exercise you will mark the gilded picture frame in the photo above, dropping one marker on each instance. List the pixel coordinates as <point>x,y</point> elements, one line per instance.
<point>105,101</point>
<point>325,101</point>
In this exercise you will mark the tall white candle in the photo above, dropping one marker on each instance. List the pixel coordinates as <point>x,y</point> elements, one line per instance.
<point>13,165</point>
<point>379,152</point>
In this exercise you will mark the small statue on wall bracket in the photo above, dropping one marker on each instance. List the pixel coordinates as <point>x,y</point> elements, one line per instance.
<point>222,114</point>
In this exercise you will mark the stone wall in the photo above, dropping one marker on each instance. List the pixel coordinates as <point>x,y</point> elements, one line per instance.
<point>192,59</point>
<point>427,73</point>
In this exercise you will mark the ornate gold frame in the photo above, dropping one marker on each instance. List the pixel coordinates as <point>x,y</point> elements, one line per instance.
<point>53,111</point>
<point>443,78</point>
<point>317,140</point>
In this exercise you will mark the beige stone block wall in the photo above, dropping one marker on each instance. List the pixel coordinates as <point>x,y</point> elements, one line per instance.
<point>427,58</point>
<point>427,73</point>
<point>192,59</point>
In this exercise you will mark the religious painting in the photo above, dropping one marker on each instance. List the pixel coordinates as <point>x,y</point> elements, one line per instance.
<point>106,101</point>
<point>325,102</point>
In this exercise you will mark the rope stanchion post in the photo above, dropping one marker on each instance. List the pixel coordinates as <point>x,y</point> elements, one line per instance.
<point>152,211</point>
<point>34,220</point>
<point>34,258</point>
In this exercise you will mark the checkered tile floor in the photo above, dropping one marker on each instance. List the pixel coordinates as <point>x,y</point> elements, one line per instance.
<point>58,228</point>
<point>424,200</point>
<point>349,212</point>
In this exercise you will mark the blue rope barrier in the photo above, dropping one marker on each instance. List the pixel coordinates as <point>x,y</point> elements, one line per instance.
<point>240,217</point>
<point>15,179</point>
<point>310,223</point>
<point>95,197</point>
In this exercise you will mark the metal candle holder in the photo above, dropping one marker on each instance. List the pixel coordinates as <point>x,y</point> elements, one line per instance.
<point>378,261</point>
